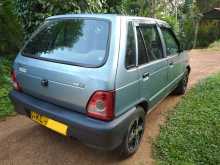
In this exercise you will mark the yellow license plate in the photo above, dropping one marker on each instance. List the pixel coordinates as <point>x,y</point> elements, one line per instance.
<point>50,123</point>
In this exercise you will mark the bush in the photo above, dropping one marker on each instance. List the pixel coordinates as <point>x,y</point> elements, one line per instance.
<point>209,32</point>
<point>6,107</point>
<point>10,29</point>
<point>34,12</point>
<point>215,45</point>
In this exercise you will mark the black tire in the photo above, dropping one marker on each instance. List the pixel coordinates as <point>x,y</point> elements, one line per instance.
<point>134,134</point>
<point>182,86</point>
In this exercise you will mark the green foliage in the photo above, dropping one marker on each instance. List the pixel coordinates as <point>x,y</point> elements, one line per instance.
<point>192,132</point>
<point>182,15</point>
<point>209,31</point>
<point>215,45</point>
<point>171,20</point>
<point>187,36</point>
<point>205,5</point>
<point>10,30</point>
<point>137,8</point>
<point>6,107</point>
<point>34,12</point>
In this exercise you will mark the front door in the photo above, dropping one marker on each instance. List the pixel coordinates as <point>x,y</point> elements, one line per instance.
<point>172,53</point>
<point>151,63</point>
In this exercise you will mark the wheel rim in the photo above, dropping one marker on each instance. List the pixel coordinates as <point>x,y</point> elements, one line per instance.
<point>135,134</point>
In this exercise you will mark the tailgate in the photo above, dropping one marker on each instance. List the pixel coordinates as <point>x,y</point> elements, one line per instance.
<point>67,85</point>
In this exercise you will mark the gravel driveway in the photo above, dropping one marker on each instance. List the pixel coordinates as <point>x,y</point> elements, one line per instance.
<point>24,142</point>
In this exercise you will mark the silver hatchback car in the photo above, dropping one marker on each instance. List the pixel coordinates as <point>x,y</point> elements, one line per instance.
<point>94,77</point>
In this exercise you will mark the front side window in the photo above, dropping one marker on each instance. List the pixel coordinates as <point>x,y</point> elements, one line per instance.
<point>152,42</point>
<point>81,42</point>
<point>130,60</point>
<point>172,46</point>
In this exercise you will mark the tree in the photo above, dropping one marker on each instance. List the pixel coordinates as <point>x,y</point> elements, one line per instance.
<point>34,12</point>
<point>138,8</point>
<point>182,15</point>
<point>10,31</point>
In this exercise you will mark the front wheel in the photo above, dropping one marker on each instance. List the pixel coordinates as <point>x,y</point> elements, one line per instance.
<point>134,134</point>
<point>182,86</point>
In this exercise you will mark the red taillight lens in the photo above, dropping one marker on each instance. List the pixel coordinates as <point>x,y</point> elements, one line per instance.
<point>101,105</point>
<point>15,84</point>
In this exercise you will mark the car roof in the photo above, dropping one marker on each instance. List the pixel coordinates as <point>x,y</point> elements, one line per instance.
<point>111,17</point>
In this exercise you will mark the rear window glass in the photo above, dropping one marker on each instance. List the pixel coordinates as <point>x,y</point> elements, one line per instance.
<point>81,42</point>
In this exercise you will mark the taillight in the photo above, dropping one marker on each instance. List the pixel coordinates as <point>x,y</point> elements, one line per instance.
<point>15,83</point>
<point>101,105</point>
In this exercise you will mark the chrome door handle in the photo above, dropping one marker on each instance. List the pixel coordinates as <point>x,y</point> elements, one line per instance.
<point>171,63</point>
<point>146,75</point>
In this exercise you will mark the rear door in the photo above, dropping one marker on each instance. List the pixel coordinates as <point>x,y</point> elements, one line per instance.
<point>151,63</point>
<point>172,53</point>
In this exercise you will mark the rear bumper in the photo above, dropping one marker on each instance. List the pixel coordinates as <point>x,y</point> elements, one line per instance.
<point>95,133</point>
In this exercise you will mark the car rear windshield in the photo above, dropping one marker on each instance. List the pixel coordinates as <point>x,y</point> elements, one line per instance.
<point>82,42</point>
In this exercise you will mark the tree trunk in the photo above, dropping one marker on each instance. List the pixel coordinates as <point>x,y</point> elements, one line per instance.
<point>152,8</point>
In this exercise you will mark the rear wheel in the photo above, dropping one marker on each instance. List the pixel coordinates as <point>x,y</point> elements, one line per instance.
<point>134,134</point>
<point>182,86</point>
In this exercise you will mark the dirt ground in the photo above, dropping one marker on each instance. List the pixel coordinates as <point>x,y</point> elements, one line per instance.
<point>24,142</point>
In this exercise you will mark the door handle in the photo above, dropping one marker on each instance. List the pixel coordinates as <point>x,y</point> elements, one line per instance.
<point>171,63</point>
<point>146,75</point>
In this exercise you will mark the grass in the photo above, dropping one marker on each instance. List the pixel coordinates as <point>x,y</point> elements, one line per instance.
<point>6,107</point>
<point>191,135</point>
<point>215,46</point>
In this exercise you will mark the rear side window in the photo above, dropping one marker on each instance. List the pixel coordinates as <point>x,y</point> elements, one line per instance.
<point>130,60</point>
<point>80,42</point>
<point>152,42</point>
<point>172,46</point>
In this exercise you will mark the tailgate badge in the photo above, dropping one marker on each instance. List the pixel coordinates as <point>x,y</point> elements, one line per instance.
<point>22,69</point>
<point>78,85</point>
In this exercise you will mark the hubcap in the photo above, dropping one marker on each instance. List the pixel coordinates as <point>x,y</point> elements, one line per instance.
<point>135,134</point>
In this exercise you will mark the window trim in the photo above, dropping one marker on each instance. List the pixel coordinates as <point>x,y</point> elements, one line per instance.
<point>175,38</point>
<point>159,35</point>
<point>66,62</point>
<point>142,38</point>
<point>133,28</point>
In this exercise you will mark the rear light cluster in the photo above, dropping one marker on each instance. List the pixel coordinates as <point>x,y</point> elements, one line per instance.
<point>15,83</point>
<point>101,105</point>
